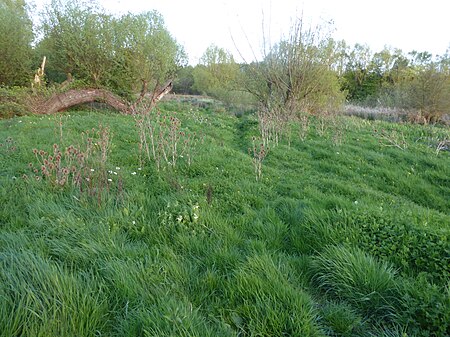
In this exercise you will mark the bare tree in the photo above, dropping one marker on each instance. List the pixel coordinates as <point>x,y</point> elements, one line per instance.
<point>295,77</point>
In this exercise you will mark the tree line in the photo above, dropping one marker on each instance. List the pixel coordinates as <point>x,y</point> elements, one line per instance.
<point>307,70</point>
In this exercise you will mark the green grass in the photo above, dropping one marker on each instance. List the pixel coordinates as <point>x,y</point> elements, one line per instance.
<point>334,240</point>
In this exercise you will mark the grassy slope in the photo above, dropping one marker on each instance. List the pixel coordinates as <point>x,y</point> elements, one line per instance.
<point>335,240</point>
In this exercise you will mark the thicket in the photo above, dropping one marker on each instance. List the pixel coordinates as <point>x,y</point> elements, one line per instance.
<point>83,47</point>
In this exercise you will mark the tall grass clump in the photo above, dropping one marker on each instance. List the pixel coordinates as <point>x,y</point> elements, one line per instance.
<point>39,298</point>
<point>266,304</point>
<point>351,275</point>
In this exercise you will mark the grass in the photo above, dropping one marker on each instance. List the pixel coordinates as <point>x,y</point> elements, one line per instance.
<point>332,240</point>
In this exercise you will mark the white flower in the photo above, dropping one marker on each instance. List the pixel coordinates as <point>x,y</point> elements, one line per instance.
<point>139,168</point>
<point>109,180</point>
<point>117,168</point>
<point>133,222</point>
<point>110,172</point>
<point>133,173</point>
<point>356,202</point>
<point>92,170</point>
<point>195,216</point>
<point>179,218</point>
<point>115,172</point>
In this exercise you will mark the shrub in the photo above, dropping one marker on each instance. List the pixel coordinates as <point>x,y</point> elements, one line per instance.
<point>411,248</point>
<point>425,307</point>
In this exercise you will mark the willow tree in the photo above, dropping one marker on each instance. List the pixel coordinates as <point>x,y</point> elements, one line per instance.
<point>216,75</point>
<point>123,54</point>
<point>296,77</point>
<point>16,35</point>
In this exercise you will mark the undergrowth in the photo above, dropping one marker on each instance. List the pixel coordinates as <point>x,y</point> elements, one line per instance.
<point>333,238</point>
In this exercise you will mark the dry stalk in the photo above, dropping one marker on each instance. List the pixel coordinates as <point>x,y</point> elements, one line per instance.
<point>258,153</point>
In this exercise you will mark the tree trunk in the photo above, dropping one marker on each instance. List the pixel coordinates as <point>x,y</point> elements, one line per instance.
<point>65,100</point>
<point>74,97</point>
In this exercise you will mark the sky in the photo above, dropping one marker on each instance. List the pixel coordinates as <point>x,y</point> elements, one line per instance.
<point>238,25</point>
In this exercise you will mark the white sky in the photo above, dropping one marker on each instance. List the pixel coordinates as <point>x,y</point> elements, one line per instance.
<point>406,24</point>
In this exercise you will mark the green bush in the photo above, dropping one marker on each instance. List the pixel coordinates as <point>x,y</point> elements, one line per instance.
<point>425,308</point>
<point>12,102</point>
<point>413,249</point>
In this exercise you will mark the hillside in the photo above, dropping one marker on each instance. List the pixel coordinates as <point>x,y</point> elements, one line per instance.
<point>344,234</point>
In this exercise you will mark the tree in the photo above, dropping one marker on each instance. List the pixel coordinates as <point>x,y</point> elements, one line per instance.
<point>16,35</point>
<point>123,54</point>
<point>216,74</point>
<point>297,73</point>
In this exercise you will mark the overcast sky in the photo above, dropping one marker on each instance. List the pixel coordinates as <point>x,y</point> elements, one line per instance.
<point>196,24</point>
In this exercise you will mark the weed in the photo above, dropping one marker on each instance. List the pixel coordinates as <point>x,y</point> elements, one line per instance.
<point>161,138</point>
<point>258,154</point>
<point>83,166</point>
<point>391,138</point>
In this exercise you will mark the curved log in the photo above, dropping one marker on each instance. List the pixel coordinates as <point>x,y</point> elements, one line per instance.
<point>65,100</point>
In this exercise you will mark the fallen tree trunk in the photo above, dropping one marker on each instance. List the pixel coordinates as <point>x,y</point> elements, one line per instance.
<point>65,100</point>
<point>73,97</point>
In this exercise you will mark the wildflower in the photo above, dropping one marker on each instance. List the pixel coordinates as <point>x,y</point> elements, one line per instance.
<point>109,179</point>
<point>180,218</point>
<point>133,222</point>
<point>115,172</point>
<point>139,168</point>
<point>92,170</point>
<point>117,168</point>
<point>133,173</point>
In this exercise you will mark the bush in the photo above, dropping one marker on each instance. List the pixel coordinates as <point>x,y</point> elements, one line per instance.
<point>12,102</point>
<point>413,249</point>
<point>425,308</point>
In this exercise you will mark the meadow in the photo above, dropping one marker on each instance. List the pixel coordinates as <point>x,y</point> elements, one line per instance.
<point>338,236</point>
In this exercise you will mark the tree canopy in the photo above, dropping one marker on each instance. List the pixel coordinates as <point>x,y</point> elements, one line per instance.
<point>120,53</point>
<point>16,36</point>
